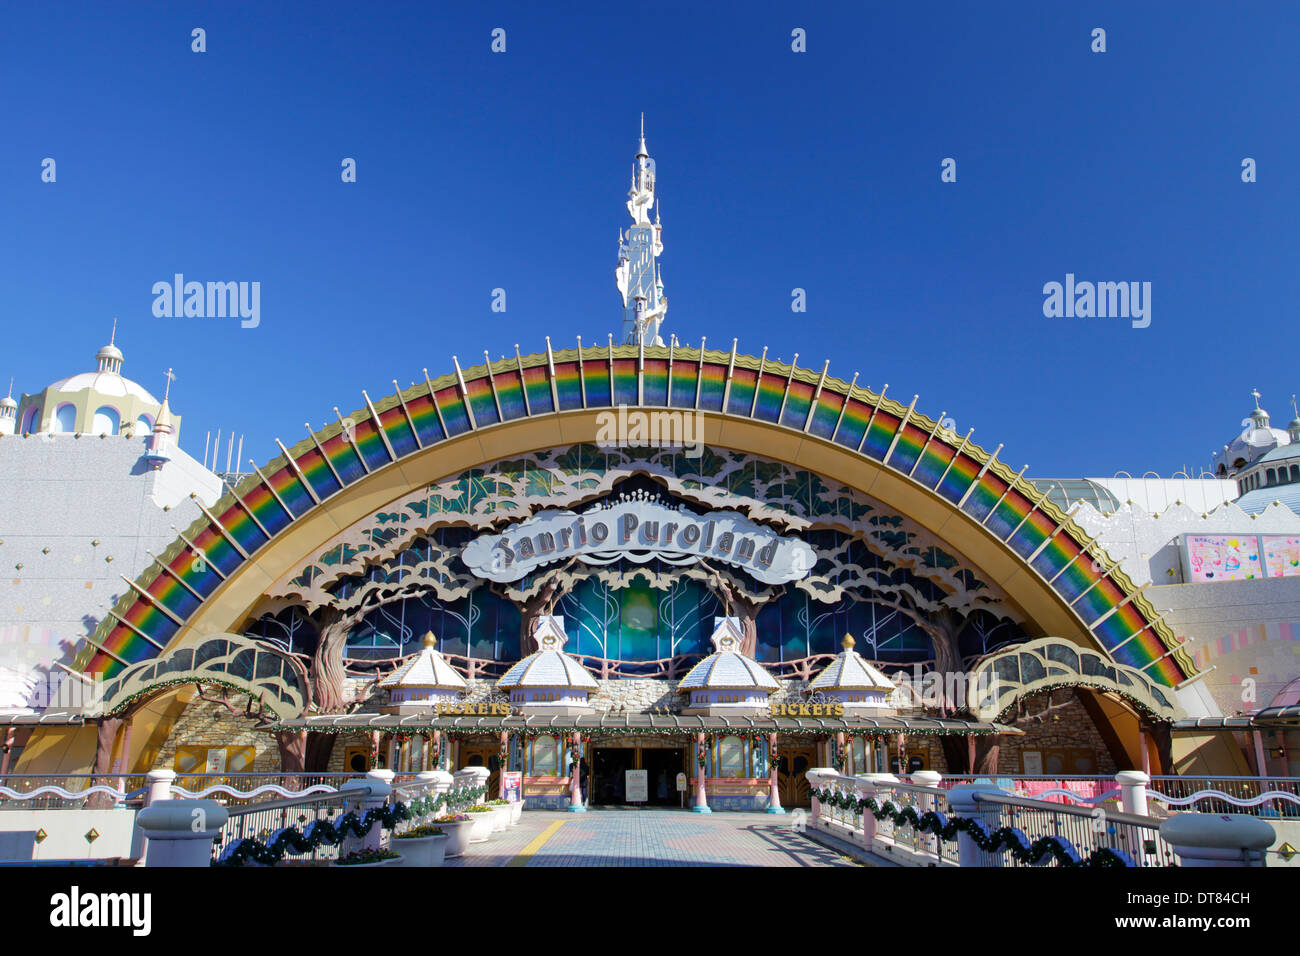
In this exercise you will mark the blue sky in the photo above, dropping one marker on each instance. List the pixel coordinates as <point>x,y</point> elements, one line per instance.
<point>776,170</point>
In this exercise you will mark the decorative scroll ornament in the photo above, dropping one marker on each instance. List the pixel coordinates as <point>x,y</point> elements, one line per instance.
<point>639,529</point>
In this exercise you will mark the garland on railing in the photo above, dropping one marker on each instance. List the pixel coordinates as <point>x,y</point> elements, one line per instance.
<point>320,833</point>
<point>1007,838</point>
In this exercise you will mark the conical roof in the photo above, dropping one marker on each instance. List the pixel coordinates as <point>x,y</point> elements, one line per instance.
<point>428,669</point>
<point>548,666</point>
<point>849,671</point>
<point>726,667</point>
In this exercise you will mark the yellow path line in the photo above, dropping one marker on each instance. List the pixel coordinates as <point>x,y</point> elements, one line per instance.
<point>528,852</point>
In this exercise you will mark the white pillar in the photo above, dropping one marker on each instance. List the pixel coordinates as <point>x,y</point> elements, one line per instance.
<point>436,783</point>
<point>1133,791</point>
<point>962,803</point>
<point>1229,839</point>
<point>180,832</point>
<point>928,778</point>
<point>160,786</point>
<point>379,783</point>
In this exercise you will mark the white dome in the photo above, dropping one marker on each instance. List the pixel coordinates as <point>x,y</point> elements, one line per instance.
<point>105,383</point>
<point>8,402</point>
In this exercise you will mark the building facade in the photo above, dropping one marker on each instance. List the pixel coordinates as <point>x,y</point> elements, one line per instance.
<point>654,573</point>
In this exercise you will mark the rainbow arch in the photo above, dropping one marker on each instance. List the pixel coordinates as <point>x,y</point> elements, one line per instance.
<point>895,437</point>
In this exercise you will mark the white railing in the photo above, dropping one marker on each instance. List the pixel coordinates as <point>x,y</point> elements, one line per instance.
<point>1001,828</point>
<point>1253,796</point>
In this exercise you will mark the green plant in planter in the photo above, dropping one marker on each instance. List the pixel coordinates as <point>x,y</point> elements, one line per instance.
<point>498,803</point>
<point>424,830</point>
<point>359,857</point>
<point>481,809</point>
<point>451,818</point>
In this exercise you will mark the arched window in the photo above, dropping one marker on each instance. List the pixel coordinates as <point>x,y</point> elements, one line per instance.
<point>106,421</point>
<point>1295,472</point>
<point>29,420</point>
<point>1272,477</point>
<point>65,419</point>
<point>143,426</point>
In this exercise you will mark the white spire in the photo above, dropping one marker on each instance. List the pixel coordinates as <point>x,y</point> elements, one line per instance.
<point>109,358</point>
<point>637,278</point>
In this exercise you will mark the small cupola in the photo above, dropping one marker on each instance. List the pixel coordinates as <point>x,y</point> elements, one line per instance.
<point>423,682</point>
<point>727,681</point>
<point>854,682</point>
<point>548,681</point>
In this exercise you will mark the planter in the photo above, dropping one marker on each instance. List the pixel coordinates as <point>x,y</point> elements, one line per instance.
<point>458,836</point>
<point>480,826</point>
<point>516,812</point>
<point>422,851</point>
<point>500,818</point>
<point>397,860</point>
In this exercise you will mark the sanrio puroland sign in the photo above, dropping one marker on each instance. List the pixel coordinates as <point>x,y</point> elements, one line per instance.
<point>639,530</point>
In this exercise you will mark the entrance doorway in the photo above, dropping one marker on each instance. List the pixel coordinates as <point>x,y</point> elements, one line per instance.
<point>609,767</point>
<point>792,766</point>
<point>662,767</point>
<point>609,774</point>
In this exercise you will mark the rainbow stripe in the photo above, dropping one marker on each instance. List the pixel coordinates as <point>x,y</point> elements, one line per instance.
<point>568,385</point>
<point>713,383</point>
<point>741,399</point>
<point>798,399</point>
<point>655,381</point>
<point>771,390</point>
<point>510,394</point>
<point>853,422</point>
<point>827,415</point>
<point>908,448</point>
<point>685,377</point>
<point>479,391</point>
<point>883,428</point>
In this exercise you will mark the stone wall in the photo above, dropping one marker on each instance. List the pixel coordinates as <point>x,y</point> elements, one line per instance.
<point>204,724</point>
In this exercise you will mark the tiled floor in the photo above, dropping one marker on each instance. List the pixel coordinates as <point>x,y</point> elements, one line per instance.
<point>650,838</point>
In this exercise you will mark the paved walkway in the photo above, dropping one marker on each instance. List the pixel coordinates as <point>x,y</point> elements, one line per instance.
<point>650,838</point>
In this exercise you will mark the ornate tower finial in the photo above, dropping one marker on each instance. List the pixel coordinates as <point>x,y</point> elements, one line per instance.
<point>429,639</point>
<point>167,389</point>
<point>1255,392</point>
<point>644,304</point>
<point>112,339</point>
<point>848,642</point>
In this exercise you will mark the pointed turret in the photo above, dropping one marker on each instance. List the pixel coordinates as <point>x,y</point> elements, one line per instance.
<point>8,411</point>
<point>644,305</point>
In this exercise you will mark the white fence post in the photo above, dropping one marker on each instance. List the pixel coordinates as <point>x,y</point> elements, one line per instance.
<point>1133,791</point>
<point>180,832</point>
<point>817,777</point>
<point>379,783</point>
<point>928,778</point>
<point>160,786</point>
<point>962,803</point>
<point>1227,839</point>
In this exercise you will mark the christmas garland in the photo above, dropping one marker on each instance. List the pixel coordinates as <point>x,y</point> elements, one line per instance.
<point>320,833</point>
<point>1007,838</point>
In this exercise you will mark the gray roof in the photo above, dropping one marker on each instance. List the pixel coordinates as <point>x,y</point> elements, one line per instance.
<point>1253,502</point>
<point>731,671</point>
<point>547,668</point>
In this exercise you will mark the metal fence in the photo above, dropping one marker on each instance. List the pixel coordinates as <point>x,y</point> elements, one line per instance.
<point>1087,829</point>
